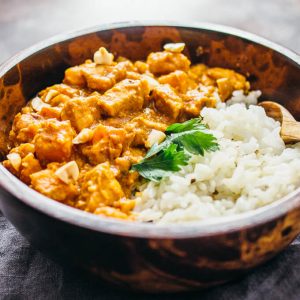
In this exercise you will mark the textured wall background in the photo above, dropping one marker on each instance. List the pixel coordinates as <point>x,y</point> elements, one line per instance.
<point>24,22</point>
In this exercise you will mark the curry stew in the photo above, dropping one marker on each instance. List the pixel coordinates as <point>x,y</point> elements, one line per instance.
<point>76,141</point>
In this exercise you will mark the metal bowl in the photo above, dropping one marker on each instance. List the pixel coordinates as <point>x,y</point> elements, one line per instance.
<point>148,257</point>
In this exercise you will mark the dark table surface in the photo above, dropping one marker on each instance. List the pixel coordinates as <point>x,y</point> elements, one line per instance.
<point>24,272</point>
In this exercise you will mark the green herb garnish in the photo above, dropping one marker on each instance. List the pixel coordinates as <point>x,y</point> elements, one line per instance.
<point>174,152</point>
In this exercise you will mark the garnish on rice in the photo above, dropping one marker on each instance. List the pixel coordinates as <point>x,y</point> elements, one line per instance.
<point>182,140</point>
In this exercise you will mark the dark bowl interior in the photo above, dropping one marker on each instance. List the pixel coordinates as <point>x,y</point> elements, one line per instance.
<point>141,256</point>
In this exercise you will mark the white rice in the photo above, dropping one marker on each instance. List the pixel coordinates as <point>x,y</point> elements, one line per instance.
<point>252,168</point>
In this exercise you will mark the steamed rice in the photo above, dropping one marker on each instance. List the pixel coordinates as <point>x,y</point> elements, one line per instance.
<point>252,168</point>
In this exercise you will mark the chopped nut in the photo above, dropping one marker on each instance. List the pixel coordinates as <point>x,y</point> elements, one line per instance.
<point>83,136</point>
<point>37,104</point>
<point>155,136</point>
<point>68,172</point>
<point>15,160</point>
<point>103,57</point>
<point>174,47</point>
<point>51,94</point>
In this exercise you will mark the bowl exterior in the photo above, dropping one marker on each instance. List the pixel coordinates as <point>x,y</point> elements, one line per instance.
<point>152,264</point>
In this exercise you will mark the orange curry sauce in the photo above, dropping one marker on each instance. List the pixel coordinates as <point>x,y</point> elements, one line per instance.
<point>76,141</point>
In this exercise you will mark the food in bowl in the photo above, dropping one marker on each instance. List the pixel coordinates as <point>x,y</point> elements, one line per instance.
<point>156,141</point>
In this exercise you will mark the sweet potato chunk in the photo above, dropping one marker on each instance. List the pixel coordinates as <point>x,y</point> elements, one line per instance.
<point>126,96</point>
<point>25,127</point>
<point>53,141</point>
<point>82,112</point>
<point>47,183</point>
<point>166,62</point>
<point>28,164</point>
<point>167,101</point>
<point>107,144</point>
<point>100,188</point>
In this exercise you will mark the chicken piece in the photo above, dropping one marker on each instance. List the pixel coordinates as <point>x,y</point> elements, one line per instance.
<point>128,65</point>
<point>25,127</point>
<point>143,124</point>
<point>82,112</point>
<point>60,89</point>
<point>194,101</point>
<point>74,75</point>
<point>225,88</point>
<point>133,75</point>
<point>196,71</point>
<point>49,184</point>
<point>152,82</point>
<point>23,149</point>
<point>26,162</point>
<point>100,188</point>
<point>141,67</point>
<point>227,81</point>
<point>104,77</point>
<point>51,112</point>
<point>59,94</point>
<point>128,158</point>
<point>166,62</point>
<point>167,101</point>
<point>107,144</point>
<point>126,96</point>
<point>178,80</point>
<point>207,81</point>
<point>96,77</point>
<point>53,141</point>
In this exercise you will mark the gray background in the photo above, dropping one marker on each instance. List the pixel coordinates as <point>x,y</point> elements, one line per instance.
<point>27,274</point>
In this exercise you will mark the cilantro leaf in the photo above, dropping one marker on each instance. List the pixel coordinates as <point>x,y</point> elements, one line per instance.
<point>162,164</point>
<point>182,138</point>
<point>190,135</point>
<point>192,124</point>
<point>196,142</point>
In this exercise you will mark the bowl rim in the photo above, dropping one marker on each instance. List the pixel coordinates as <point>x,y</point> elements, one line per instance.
<point>80,218</point>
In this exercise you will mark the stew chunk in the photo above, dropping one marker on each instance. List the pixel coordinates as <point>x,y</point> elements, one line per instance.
<point>167,100</point>
<point>100,188</point>
<point>50,185</point>
<point>107,144</point>
<point>166,62</point>
<point>126,96</point>
<point>82,112</point>
<point>53,142</point>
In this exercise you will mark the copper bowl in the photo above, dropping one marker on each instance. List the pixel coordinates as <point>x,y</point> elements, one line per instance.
<point>138,256</point>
